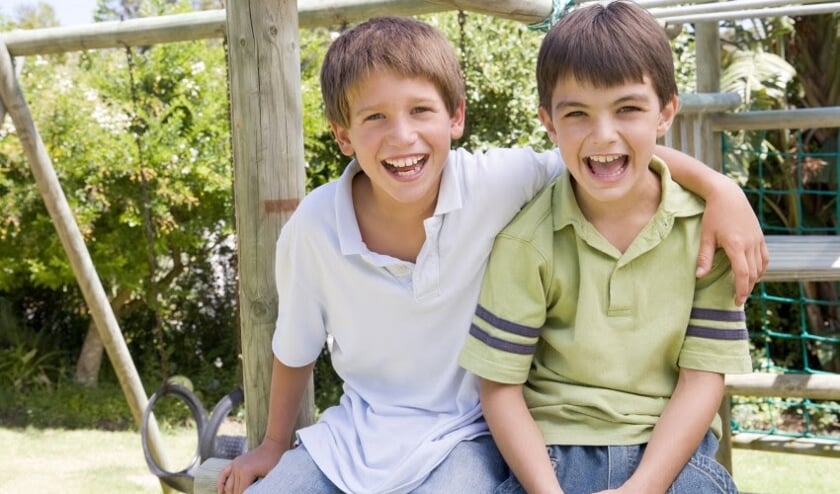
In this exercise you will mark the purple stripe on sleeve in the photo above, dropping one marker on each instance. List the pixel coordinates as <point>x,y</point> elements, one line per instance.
<point>718,315</point>
<point>505,325</point>
<point>499,343</point>
<point>717,333</point>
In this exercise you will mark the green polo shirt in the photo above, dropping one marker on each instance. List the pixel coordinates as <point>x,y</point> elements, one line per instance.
<point>599,336</point>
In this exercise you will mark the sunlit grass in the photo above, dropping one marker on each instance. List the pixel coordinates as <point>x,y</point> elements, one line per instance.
<point>57,461</point>
<point>782,473</point>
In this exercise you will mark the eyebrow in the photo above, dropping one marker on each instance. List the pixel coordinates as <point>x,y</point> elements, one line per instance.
<point>627,98</point>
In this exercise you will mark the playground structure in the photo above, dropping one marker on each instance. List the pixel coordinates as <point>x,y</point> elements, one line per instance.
<point>268,164</point>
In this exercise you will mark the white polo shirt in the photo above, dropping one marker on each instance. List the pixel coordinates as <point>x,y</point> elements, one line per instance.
<point>397,327</point>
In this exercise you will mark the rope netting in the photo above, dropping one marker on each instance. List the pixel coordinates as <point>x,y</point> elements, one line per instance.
<point>794,326</point>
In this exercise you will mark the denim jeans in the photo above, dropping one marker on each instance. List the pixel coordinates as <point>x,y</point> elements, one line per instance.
<point>588,469</point>
<point>473,467</point>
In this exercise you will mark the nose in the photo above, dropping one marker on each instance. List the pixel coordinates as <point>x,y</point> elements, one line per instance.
<point>604,130</point>
<point>402,130</point>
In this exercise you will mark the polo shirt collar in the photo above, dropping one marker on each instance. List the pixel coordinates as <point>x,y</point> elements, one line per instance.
<point>675,202</point>
<point>349,234</point>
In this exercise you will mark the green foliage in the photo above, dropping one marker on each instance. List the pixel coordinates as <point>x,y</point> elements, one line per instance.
<point>685,61</point>
<point>23,367</point>
<point>501,89</point>
<point>139,139</point>
<point>27,361</point>
<point>68,406</point>
<point>324,161</point>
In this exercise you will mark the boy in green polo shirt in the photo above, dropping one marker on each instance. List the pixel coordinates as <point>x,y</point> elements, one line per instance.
<point>592,335</point>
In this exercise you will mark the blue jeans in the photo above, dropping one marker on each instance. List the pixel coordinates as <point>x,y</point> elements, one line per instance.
<point>588,469</point>
<point>473,467</point>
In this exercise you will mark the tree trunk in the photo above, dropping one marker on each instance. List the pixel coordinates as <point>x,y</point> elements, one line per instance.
<point>90,359</point>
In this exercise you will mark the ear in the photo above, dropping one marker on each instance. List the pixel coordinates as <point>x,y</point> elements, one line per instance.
<point>456,122</point>
<point>666,116</point>
<point>545,118</point>
<point>342,137</point>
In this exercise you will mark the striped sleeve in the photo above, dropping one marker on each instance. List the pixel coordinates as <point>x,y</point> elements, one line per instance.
<point>716,339</point>
<point>507,323</point>
<point>497,349</point>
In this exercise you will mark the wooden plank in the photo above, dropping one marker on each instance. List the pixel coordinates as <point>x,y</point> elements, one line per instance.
<point>708,102</point>
<point>799,118</point>
<point>803,258</point>
<point>205,476</point>
<point>811,386</point>
<point>780,444</point>
<point>212,23</point>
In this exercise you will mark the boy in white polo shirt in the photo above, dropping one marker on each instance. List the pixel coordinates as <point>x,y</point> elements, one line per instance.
<point>601,355</point>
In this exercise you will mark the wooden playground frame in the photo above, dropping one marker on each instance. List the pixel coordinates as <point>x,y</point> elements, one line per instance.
<point>267,144</point>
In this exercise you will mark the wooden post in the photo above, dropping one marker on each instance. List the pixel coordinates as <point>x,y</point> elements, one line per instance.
<point>724,454</point>
<point>267,140</point>
<point>71,238</point>
<point>707,47</point>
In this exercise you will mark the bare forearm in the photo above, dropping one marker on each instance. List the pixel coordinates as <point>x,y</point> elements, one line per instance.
<point>518,438</point>
<point>287,387</point>
<point>679,431</point>
<point>728,222</point>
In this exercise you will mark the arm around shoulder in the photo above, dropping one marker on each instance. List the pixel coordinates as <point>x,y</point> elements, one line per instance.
<point>729,221</point>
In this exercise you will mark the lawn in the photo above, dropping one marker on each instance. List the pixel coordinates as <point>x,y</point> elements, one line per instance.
<point>90,461</point>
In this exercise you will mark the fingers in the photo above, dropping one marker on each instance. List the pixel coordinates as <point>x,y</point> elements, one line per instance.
<point>756,264</point>
<point>222,479</point>
<point>706,254</point>
<point>765,258</point>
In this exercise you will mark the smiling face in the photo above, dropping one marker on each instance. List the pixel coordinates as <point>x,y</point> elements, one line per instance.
<point>607,136</point>
<point>400,132</point>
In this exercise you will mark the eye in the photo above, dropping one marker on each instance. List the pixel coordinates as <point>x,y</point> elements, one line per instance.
<point>629,109</point>
<point>373,116</point>
<point>574,114</point>
<point>420,109</point>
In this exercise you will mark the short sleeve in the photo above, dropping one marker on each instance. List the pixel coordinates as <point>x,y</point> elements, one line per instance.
<point>511,311</point>
<point>716,338</point>
<point>299,334</point>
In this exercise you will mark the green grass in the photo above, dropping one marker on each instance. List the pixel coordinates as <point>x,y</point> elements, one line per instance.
<point>783,473</point>
<point>55,461</point>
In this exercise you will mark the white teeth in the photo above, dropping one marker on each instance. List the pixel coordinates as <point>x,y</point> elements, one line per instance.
<point>605,158</point>
<point>404,162</point>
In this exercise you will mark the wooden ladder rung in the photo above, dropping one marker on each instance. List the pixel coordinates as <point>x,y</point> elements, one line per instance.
<point>803,258</point>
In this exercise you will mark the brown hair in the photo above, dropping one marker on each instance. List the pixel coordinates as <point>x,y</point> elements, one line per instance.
<point>403,45</point>
<point>606,45</point>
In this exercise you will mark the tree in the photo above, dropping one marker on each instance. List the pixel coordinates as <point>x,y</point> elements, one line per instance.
<point>139,139</point>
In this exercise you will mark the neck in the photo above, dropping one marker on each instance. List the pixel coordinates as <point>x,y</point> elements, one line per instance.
<point>620,221</point>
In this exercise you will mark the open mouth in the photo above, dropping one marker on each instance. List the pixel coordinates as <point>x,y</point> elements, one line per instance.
<point>407,166</point>
<point>607,165</point>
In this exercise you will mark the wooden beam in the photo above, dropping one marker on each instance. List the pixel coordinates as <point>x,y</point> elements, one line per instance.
<point>205,476</point>
<point>801,118</point>
<point>811,386</point>
<point>212,23</point>
<point>780,444</point>
<point>803,258</point>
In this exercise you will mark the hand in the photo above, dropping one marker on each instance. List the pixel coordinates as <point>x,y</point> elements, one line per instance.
<point>624,489</point>
<point>729,222</point>
<point>246,469</point>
